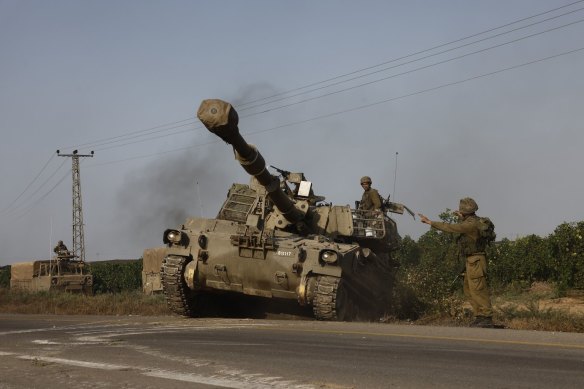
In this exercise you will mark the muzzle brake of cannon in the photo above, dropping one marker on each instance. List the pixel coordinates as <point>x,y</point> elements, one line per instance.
<point>221,119</point>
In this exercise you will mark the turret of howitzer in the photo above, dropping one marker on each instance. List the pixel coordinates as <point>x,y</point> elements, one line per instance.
<point>220,118</point>
<point>274,238</point>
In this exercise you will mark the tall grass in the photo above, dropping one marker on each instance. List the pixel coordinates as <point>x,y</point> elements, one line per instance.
<point>60,303</point>
<point>514,310</point>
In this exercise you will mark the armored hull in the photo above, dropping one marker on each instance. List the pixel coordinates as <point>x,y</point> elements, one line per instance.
<point>272,241</point>
<point>56,274</point>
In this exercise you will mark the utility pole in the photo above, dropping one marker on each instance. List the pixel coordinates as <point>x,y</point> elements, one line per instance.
<point>78,236</point>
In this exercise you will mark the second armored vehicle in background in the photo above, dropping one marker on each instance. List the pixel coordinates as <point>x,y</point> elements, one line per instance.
<point>62,273</point>
<point>276,239</point>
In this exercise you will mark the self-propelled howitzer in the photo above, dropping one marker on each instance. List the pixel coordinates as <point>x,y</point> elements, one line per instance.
<point>276,241</point>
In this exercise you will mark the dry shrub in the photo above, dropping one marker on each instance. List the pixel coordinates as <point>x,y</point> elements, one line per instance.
<point>554,322</point>
<point>541,288</point>
<point>60,303</point>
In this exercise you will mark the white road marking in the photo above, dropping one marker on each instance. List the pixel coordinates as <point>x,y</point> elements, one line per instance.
<point>191,362</point>
<point>236,379</point>
<point>53,328</point>
<point>93,336</point>
<point>44,341</point>
<point>237,382</point>
<point>27,331</point>
<point>221,376</point>
<point>213,380</point>
<point>73,362</point>
<point>221,343</point>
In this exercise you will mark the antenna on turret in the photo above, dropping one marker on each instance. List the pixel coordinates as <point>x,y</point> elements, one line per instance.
<point>394,177</point>
<point>200,200</point>
<point>50,242</point>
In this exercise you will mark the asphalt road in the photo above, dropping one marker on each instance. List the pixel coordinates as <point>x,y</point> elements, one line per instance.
<point>171,352</point>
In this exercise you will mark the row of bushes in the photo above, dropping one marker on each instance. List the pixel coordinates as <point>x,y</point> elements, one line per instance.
<point>5,277</point>
<point>116,276</point>
<point>558,258</point>
<point>108,276</point>
<point>430,266</point>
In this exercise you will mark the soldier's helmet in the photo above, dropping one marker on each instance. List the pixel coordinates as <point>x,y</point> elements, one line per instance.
<point>60,242</point>
<point>366,179</point>
<point>467,206</point>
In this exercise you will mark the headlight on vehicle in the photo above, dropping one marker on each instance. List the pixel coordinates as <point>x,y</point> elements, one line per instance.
<point>329,256</point>
<point>172,236</point>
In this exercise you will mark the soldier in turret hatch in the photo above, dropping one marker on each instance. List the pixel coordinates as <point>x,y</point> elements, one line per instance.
<point>61,250</point>
<point>370,201</point>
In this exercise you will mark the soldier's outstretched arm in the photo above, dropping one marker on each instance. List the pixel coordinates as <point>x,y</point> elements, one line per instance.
<point>424,219</point>
<point>459,228</point>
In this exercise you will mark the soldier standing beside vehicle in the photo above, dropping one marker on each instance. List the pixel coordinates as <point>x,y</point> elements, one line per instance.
<point>472,246</point>
<point>370,201</point>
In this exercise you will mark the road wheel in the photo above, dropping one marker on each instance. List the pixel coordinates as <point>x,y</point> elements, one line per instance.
<point>333,300</point>
<point>179,297</point>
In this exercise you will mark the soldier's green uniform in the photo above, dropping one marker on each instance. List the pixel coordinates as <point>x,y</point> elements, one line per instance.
<point>472,247</point>
<point>60,249</point>
<point>371,200</point>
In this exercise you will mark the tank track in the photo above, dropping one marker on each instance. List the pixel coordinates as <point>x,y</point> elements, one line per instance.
<point>179,297</point>
<point>335,299</point>
<point>324,304</point>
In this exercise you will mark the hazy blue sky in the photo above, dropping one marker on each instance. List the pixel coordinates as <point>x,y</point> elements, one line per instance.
<point>494,116</point>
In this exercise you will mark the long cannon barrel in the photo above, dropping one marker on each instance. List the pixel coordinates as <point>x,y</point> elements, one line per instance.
<point>221,119</point>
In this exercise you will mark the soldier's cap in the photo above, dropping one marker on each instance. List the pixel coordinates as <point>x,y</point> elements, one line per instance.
<point>467,206</point>
<point>365,179</point>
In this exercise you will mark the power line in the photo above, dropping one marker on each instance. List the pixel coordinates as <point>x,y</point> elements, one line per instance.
<point>30,196</point>
<point>412,70</point>
<point>99,142</point>
<point>358,108</point>
<point>412,54</point>
<point>31,207</point>
<point>196,128</point>
<point>421,91</point>
<point>115,141</point>
<point>242,107</point>
<point>29,185</point>
<point>189,130</point>
<point>433,55</point>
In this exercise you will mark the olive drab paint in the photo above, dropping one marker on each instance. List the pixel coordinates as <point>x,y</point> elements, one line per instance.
<point>60,273</point>
<point>275,238</point>
<point>474,234</point>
